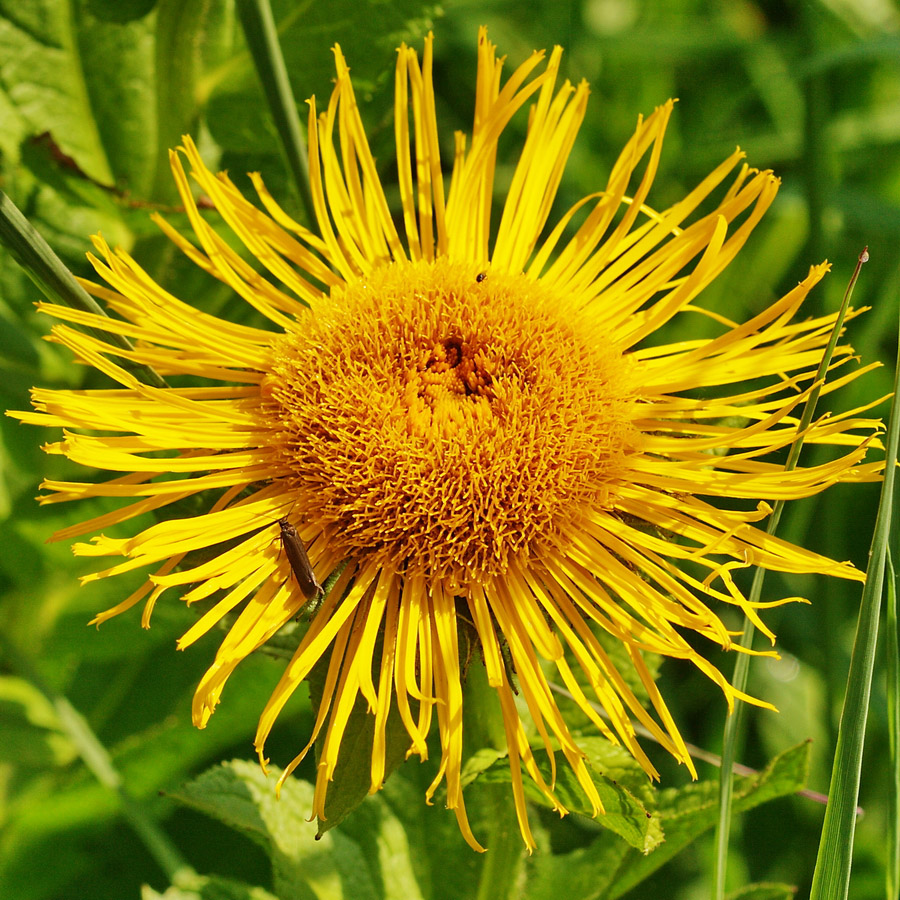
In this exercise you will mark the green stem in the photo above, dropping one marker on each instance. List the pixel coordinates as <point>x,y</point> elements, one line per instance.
<point>503,860</point>
<point>56,282</point>
<point>502,863</point>
<point>742,663</point>
<point>98,761</point>
<point>262,41</point>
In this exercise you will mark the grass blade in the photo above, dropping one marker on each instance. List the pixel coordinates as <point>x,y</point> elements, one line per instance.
<point>831,878</point>
<point>742,663</point>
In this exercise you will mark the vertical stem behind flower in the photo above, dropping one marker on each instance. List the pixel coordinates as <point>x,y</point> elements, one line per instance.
<point>502,864</point>
<point>262,41</point>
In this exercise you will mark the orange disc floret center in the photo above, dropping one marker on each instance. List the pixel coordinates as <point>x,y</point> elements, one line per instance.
<point>444,422</point>
<point>450,382</point>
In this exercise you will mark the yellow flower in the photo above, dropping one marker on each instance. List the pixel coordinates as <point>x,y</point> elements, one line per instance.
<point>472,413</point>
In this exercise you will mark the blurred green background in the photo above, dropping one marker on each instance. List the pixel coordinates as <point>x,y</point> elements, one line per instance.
<point>94,92</point>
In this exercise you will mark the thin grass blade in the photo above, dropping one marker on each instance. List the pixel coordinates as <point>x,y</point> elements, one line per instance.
<point>892,679</point>
<point>742,663</point>
<point>831,878</point>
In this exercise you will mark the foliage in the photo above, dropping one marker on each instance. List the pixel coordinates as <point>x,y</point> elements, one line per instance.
<point>92,95</point>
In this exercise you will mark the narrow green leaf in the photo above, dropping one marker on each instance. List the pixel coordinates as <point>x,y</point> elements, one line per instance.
<point>892,685</point>
<point>831,879</point>
<point>742,663</point>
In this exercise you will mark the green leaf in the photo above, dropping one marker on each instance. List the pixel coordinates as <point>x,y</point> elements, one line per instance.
<point>352,779</point>
<point>241,796</point>
<point>613,761</point>
<point>201,887</point>
<point>764,891</point>
<point>31,734</point>
<point>624,813</point>
<point>831,878</point>
<point>607,868</point>
<point>586,872</point>
<point>370,861</point>
<point>353,774</point>
<point>689,811</point>
<point>87,82</point>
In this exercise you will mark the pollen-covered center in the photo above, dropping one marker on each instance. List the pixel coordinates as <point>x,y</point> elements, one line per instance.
<point>451,382</point>
<point>445,422</point>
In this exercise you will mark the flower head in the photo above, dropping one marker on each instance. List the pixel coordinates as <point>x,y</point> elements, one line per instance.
<point>468,419</point>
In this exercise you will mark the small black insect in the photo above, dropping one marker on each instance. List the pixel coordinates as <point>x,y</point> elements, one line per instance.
<point>480,277</point>
<point>300,565</point>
